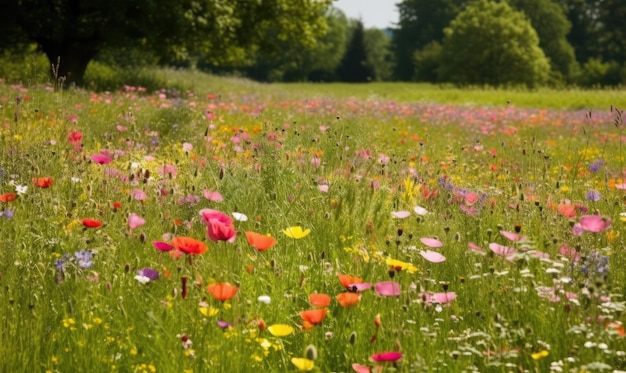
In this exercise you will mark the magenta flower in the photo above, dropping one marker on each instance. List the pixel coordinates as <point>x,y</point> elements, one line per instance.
<point>387,289</point>
<point>594,223</point>
<point>219,225</point>
<point>383,357</point>
<point>162,246</point>
<point>135,221</point>
<point>101,159</point>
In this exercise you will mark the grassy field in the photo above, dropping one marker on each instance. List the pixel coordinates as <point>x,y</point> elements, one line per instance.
<point>234,226</point>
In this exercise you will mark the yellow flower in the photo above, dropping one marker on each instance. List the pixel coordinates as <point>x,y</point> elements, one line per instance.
<point>296,232</point>
<point>611,235</point>
<point>539,355</point>
<point>400,265</point>
<point>68,322</point>
<point>209,311</point>
<point>303,363</point>
<point>280,330</point>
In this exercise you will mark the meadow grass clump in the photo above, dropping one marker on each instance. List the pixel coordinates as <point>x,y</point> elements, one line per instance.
<point>233,227</point>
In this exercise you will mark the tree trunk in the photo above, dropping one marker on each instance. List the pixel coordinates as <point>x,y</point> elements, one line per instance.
<point>68,61</point>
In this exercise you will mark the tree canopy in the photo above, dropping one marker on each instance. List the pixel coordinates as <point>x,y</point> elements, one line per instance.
<point>72,32</point>
<point>491,43</point>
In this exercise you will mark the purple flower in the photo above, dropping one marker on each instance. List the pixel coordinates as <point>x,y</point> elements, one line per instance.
<point>59,264</point>
<point>596,165</point>
<point>593,195</point>
<point>146,275</point>
<point>84,259</point>
<point>8,213</point>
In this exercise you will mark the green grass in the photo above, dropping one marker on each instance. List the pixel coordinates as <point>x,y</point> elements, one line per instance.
<point>267,149</point>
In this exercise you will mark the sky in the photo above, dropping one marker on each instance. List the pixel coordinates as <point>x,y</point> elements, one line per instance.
<point>374,13</point>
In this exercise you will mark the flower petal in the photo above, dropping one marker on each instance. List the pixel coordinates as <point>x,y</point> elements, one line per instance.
<point>432,256</point>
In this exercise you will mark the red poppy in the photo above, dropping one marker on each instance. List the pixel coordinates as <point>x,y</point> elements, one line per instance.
<point>91,223</point>
<point>347,280</point>
<point>348,299</point>
<point>189,245</point>
<point>43,182</point>
<point>259,241</point>
<point>8,197</point>
<point>117,205</point>
<point>319,300</point>
<point>75,137</point>
<point>313,317</point>
<point>222,291</point>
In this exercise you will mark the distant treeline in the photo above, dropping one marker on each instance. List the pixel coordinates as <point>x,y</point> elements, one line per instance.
<point>479,42</point>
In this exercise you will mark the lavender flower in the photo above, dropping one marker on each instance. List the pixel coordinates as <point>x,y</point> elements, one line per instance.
<point>84,259</point>
<point>593,195</point>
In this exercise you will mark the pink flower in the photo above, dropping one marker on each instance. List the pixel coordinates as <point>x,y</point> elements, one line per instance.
<point>432,256</point>
<point>138,194</point>
<point>512,236</point>
<point>501,250</point>
<point>387,289</point>
<point>101,159</point>
<point>594,223</point>
<point>431,242</point>
<point>219,225</point>
<point>401,214</point>
<point>135,221</point>
<point>361,368</point>
<point>382,357</point>
<point>212,195</point>
<point>475,247</point>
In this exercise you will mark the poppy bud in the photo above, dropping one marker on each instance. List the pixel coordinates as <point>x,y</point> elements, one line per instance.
<point>310,352</point>
<point>352,338</point>
<point>377,320</point>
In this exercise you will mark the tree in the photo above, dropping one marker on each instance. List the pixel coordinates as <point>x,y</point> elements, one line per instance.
<point>491,43</point>
<point>377,44</point>
<point>421,22</point>
<point>354,67</point>
<point>598,29</point>
<point>72,32</point>
<point>551,24</point>
<point>294,63</point>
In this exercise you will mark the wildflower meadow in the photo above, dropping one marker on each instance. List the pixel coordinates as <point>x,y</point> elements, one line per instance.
<point>244,228</point>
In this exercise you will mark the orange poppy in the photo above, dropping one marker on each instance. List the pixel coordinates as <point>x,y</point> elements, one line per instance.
<point>222,291</point>
<point>617,326</point>
<point>189,245</point>
<point>348,299</point>
<point>319,300</point>
<point>8,197</point>
<point>91,223</point>
<point>313,317</point>
<point>347,280</point>
<point>259,241</point>
<point>43,182</point>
